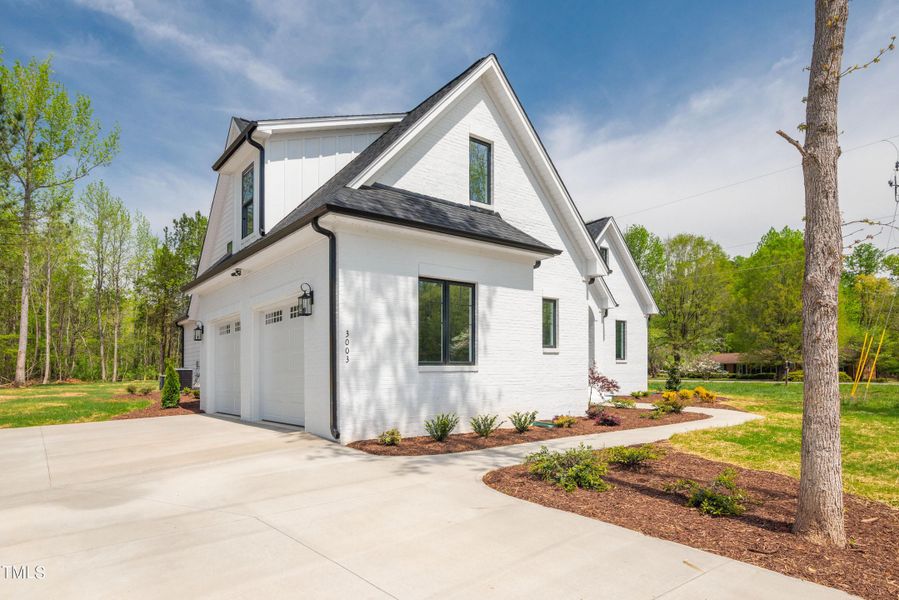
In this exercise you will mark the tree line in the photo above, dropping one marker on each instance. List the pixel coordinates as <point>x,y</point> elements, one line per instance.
<point>88,290</point>
<point>710,302</point>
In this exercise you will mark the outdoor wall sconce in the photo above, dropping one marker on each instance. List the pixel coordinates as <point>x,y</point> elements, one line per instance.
<point>306,300</point>
<point>198,332</point>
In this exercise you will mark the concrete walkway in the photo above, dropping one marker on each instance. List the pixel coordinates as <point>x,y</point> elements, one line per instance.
<point>197,506</point>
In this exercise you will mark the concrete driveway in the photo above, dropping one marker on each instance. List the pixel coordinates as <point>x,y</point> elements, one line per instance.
<point>197,506</point>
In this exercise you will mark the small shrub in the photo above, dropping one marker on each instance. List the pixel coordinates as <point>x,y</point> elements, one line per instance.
<point>131,388</point>
<point>704,395</point>
<point>608,420</point>
<point>722,498</point>
<point>391,437</point>
<point>594,410</point>
<point>623,402</point>
<point>170,390</point>
<point>685,394</point>
<point>631,457</point>
<point>845,377</point>
<point>522,421</point>
<point>186,391</point>
<point>574,468</point>
<point>670,402</point>
<point>441,426</point>
<point>797,375</point>
<point>564,421</point>
<point>640,393</point>
<point>196,393</point>
<point>484,425</point>
<point>145,390</point>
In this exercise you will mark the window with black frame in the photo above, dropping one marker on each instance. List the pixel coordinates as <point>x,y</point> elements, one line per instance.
<point>479,171</point>
<point>550,323</point>
<point>246,202</point>
<point>446,322</point>
<point>620,340</point>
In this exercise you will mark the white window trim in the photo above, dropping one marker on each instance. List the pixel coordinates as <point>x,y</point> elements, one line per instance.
<point>448,368</point>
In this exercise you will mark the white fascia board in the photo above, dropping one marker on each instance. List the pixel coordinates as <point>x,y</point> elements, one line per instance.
<point>575,222</point>
<point>309,124</point>
<point>612,233</point>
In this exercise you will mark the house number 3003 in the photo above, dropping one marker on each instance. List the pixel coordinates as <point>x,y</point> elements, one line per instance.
<point>346,346</point>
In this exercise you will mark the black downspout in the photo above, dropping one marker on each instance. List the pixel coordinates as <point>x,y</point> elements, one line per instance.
<point>181,327</point>
<point>261,148</point>
<point>332,307</point>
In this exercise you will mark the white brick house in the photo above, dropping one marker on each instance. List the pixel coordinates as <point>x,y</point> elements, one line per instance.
<point>445,269</point>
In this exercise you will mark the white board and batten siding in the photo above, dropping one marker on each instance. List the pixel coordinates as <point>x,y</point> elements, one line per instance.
<point>298,164</point>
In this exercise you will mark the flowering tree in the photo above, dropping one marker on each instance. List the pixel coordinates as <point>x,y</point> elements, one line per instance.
<point>599,382</point>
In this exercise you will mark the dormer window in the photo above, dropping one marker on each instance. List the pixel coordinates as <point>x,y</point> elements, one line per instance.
<point>246,202</point>
<point>480,167</point>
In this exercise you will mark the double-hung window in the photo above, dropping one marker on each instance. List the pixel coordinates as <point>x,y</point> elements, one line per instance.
<point>480,165</point>
<point>620,340</point>
<point>446,322</point>
<point>246,202</point>
<point>550,323</point>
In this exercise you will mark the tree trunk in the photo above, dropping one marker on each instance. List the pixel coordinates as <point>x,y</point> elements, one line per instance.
<point>100,336</point>
<point>819,516</point>
<point>23,310</point>
<point>46,378</point>
<point>115,339</point>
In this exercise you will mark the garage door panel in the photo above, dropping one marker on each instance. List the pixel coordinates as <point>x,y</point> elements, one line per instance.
<point>227,368</point>
<point>281,366</point>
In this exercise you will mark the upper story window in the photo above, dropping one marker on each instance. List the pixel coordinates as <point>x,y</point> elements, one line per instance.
<point>480,167</point>
<point>446,322</point>
<point>246,202</point>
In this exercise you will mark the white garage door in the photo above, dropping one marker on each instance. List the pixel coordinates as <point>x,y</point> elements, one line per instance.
<point>281,366</point>
<point>227,368</point>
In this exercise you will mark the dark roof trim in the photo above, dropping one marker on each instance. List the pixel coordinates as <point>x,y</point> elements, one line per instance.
<point>362,214</point>
<point>275,235</point>
<point>231,149</point>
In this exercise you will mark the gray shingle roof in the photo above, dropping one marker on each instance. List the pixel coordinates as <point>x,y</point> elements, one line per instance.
<point>596,227</point>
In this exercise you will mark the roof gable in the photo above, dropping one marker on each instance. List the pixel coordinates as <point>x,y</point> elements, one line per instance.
<point>607,230</point>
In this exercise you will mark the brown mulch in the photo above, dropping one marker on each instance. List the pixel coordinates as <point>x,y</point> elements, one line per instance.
<point>868,567</point>
<point>463,442</point>
<point>187,406</point>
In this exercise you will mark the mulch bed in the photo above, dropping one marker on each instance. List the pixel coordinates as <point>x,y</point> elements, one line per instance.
<point>720,402</point>
<point>868,567</point>
<point>463,442</point>
<point>187,406</point>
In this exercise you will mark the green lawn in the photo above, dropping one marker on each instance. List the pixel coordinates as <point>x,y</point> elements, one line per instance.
<point>57,403</point>
<point>870,434</point>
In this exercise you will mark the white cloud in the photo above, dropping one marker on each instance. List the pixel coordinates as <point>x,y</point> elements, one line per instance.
<point>724,134</point>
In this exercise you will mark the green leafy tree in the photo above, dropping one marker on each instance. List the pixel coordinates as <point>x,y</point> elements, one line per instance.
<point>692,295</point>
<point>47,140</point>
<point>865,259</point>
<point>648,251</point>
<point>768,288</point>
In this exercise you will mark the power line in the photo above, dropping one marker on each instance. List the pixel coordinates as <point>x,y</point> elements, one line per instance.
<point>742,181</point>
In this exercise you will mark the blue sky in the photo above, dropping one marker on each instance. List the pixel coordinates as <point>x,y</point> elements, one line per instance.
<point>639,103</point>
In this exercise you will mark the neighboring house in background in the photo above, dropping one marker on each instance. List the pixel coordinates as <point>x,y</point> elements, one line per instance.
<point>367,272</point>
<point>737,363</point>
<point>619,336</point>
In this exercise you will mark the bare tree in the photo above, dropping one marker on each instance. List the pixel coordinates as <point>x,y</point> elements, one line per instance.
<point>819,515</point>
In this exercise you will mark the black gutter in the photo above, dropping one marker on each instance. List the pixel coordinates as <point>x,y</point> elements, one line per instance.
<point>332,321</point>
<point>261,149</point>
<point>230,150</point>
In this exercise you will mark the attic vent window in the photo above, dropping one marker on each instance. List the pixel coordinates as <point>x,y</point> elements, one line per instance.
<point>225,329</point>
<point>604,254</point>
<point>480,167</point>
<point>274,317</point>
